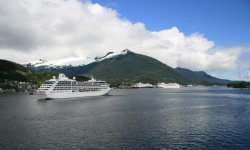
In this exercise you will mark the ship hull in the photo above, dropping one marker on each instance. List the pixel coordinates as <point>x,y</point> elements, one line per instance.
<point>70,94</point>
<point>169,87</point>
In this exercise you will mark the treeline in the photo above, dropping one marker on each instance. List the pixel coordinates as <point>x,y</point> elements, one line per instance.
<point>241,84</point>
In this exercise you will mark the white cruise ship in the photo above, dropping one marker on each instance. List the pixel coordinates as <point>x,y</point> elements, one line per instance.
<point>63,87</point>
<point>168,85</point>
<point>142,85</point>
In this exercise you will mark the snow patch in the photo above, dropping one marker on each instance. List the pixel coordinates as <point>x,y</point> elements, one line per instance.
<point>73,61</point>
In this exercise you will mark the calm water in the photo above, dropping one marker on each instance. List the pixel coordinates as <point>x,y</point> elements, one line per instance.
<point>186,118</point>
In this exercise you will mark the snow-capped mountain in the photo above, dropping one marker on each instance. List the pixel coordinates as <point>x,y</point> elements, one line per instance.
<point>126,66</point>
<point>72,61</point>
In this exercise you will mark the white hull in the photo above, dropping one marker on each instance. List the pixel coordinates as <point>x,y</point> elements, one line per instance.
<point>169,87</point>
<point>70,94</point>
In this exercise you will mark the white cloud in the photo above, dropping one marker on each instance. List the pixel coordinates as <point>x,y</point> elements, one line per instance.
<point>53,29</point>
<point>245,75</point>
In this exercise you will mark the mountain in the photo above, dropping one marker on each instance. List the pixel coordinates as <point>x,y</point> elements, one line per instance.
<point>12,71</point>
<point>200,77</point>
<point>134,67</point>
<point>68,62</point>
<point>130,67</point>
<point>127,66</point>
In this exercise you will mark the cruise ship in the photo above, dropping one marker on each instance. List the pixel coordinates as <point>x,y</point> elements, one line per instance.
<point>168,85</point>
<point>63,87</point>
<point>142,85</point>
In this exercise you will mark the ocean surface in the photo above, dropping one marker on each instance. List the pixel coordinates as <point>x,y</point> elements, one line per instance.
<point>185,118</point>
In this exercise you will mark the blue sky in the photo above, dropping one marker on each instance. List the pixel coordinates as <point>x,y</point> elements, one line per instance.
<point>226,22</point>
<point>208,35</point>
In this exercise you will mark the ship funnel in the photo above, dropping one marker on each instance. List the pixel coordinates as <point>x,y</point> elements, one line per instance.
<point>62,76</point>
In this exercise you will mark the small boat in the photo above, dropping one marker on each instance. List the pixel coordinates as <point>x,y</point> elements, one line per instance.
<point>32,92</point>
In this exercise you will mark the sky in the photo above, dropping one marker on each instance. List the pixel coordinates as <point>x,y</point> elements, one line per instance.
<point>213,18</point>
<point>212,36</point>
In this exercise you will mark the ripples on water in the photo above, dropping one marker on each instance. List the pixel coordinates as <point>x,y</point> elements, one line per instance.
<point>185,118</point>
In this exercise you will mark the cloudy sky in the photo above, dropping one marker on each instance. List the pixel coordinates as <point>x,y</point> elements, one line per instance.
<point>211,36</point>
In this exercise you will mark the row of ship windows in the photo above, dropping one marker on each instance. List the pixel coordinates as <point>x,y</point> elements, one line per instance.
<point>90,89</point>
<point>62,88</point>
<point>65,85</point>
<point>65,82</point>
<point>44,87</point>
<point>74,87</point>
<point>60,91</point>
<point>69,88</point>
<point>77,90</point>
<point>56,86</point>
